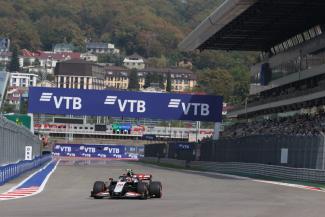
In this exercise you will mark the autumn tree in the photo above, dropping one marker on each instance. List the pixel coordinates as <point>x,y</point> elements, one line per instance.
<point>151,78</point>
<point>216,82</point>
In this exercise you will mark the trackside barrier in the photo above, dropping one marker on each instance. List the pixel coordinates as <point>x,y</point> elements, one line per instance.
<point>13,140</point>
<point>166,161</point>
<point>103,151</point>
<point>249,169</point>
<point>14,170</point>
<point>302,151</point>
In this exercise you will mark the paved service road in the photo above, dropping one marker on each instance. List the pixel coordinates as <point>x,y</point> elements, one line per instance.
<point>185,195</point>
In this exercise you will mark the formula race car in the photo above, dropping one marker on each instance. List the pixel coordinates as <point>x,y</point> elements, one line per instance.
<point>128,185</point>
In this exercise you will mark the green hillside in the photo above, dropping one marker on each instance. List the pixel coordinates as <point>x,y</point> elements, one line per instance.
<point>152,28</point>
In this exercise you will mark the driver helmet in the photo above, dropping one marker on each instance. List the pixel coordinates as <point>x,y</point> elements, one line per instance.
<point>129,173</point>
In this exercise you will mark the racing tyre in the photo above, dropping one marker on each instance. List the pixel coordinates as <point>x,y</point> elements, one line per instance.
<point>99,186</point>
<point>143,190</point>
<point>155,189</point>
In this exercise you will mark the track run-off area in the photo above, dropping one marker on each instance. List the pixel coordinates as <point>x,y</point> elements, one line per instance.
<point>185,193</point>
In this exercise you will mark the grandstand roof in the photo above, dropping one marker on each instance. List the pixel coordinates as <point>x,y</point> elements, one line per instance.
<point>254,25</point>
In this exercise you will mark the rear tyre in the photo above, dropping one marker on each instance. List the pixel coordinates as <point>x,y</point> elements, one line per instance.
<point>99,186</point>
<point>143,190</point>
<point>155,189</point>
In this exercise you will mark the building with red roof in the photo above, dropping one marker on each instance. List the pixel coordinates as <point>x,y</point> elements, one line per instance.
<point>45,59</point>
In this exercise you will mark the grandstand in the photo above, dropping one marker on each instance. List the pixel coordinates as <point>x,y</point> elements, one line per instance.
<point>283,116</point>
<point>289,34</point>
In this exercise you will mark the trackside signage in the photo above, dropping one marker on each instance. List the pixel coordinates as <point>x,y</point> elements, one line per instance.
<point>125,103</point>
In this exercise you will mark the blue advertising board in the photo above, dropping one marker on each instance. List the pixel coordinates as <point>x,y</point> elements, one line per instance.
<point>98,151</point>
<point>125,104</point>
<point>184,146</point>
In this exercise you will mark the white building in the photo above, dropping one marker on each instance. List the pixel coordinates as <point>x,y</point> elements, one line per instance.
<point>18,79</point>
<point>134,61</point>
<point>34,61</point>
<point>101,48</point>
<point>89,57</point>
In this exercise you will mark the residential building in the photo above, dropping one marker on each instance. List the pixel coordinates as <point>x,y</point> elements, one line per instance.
<point>101,48</point>
<point>45,83</point>
<point>79,74</point>
<point>4,44</point>
<point>45,59</point>
<point>116,77</point>
<point>185,63</point>
<point>181,79</point>
<point>18,79</point>
<point>39,70</point>
<point>135,61</point>
<point>89,57</point>
<point>63,47</point>
<point>5,58</point>
<point>14,94</point>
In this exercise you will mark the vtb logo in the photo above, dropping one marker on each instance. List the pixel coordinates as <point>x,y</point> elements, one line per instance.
<point>198,108</point>
<point>130,105</point>
<point>67,101</point>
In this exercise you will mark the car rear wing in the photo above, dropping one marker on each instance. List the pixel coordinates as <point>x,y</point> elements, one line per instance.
<point>143,176</point>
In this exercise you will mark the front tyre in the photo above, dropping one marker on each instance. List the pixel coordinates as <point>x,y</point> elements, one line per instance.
<point>155,189</point>
<point>99,186</point>
<point>143,190</point>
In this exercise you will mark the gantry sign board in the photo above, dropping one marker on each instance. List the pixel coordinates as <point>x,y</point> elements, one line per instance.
<point>125,104</point>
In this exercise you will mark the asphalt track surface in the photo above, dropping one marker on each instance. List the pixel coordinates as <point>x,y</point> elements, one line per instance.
<point>186,194</point>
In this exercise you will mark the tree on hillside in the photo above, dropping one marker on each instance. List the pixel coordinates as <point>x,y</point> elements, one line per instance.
<point>133,80</point>
<point>147,80</point>
<point>169,82</point>
<point>160,62</point>
<point>217,82</point>
<point>152,28</point>
<point>8,108</point>
<point>160,80</point>
<point>154,78</point>
<point>116,59</point>
<point>14,63</point>
<point>241,91</point>
<point>241,83</point>
<point>37,62</point>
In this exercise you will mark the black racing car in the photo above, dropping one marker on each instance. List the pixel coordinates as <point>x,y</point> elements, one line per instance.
<point>128,186</point>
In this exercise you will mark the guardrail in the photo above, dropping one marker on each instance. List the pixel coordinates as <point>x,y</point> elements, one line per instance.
<point>248,169</point>
<point>14,170</point>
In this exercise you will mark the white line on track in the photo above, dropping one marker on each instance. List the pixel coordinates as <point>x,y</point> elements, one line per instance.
<point>310,188</point>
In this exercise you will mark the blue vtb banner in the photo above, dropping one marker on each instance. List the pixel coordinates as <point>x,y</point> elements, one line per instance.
<point>125,104</point>
<point>184,146</point>
<point>93,151</point>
